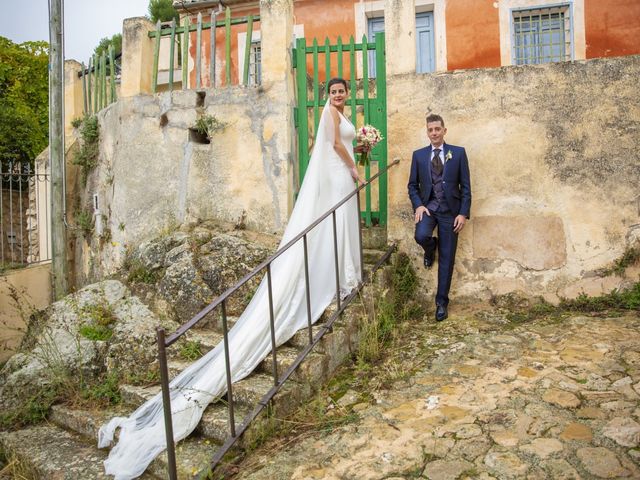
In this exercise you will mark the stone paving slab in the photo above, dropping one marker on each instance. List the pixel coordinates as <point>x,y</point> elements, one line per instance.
<point>547,399</point>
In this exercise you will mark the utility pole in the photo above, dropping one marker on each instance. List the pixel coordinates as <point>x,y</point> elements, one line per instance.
<point>56,150</point>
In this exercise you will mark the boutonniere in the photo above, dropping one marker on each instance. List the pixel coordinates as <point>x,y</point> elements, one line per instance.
<point>448,156</point>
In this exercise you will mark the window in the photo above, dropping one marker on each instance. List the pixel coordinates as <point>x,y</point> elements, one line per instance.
<point>375,25</point>
<point>255,64</point>
<point>542,35</point>
<point>425,46</point>
<point>425,51</point>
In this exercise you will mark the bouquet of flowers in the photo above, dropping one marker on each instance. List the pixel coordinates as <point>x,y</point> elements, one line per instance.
<point>367,137</point>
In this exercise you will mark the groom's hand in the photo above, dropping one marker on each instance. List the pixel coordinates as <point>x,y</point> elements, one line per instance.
<point>421,210</point>
<point>458,223</point>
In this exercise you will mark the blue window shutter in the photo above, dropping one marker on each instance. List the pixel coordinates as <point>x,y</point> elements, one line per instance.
<point>425,48</point>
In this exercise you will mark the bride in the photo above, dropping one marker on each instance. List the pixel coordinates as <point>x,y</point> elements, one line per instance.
<point>329,178</point>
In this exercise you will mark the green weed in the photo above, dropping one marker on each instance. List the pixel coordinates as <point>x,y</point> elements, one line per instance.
<point>87,157</point>
<point>391,308</point>
<point>103,391</point>
<point>84,221</point>
<point>96,332</point>
<point>207,125</point>
<point>190,350</point>
<point>615,300</point>
<point>630,256</point>
<point>139,273</point>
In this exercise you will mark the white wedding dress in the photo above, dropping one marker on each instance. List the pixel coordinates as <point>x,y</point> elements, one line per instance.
<point>327,181</point>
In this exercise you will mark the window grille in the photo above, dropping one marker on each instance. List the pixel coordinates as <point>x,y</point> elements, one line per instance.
<point>255,64</point>
<point>542,35</point>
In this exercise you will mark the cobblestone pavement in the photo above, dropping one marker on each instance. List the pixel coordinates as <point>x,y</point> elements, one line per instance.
<point>546,399</point>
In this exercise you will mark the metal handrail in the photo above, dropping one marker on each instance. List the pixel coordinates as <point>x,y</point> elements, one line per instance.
<point>164,342</point>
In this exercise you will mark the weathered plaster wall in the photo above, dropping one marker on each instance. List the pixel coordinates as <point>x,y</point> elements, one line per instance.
<point>32,286</point>
<point>555,170</point>
<point>612,27</point>
<point>152,177</point>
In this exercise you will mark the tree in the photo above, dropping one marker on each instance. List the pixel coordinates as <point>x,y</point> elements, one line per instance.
<point>163,10</point>
<point>24,100</point>
<point>103,46</point>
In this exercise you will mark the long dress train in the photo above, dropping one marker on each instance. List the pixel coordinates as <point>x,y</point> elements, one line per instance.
<point>327,181</point>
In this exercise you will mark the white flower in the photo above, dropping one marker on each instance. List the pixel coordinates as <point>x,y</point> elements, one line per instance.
<point>448,156</point>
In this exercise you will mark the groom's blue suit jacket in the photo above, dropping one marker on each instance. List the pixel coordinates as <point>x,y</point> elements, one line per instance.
<point>456,180</point>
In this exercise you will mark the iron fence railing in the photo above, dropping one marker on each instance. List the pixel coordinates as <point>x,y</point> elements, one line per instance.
<point>165,342</point>
<point>24,215</point>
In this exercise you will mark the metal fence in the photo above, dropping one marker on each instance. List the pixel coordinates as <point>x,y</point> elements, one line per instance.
<point>99,81</point>
<point>24,215</point>
<point>179,38</point>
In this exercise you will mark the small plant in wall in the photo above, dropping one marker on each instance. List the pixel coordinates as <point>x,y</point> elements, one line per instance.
<point>205,127</point>
<point>87,158</point>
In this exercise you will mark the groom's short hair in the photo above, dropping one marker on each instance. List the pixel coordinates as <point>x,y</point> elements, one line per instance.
<point>434,117</point>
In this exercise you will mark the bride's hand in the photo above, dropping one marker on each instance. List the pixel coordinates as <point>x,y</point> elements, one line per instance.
<point>355,175</point>
<point>361,148</point>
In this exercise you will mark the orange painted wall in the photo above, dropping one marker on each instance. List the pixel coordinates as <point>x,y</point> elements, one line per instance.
<point>473,34</point>
<point>322,19</point>
<point>612,27</point>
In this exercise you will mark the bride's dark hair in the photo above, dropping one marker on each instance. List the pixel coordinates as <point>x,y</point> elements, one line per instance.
<point>336,80</point>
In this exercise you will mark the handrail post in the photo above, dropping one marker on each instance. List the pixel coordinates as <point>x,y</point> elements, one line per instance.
<point>360,247</point>
<point>166,402</point>
<point>272,326</point>
<point>225,331</point>
<point>307,289</point>
<point>335,256</point>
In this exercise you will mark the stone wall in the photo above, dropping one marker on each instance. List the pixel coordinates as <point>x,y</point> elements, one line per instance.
<point>555,168</point>
<point>153,175</point>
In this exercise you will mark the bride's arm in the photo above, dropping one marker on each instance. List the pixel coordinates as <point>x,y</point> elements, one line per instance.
<point>339,147</point>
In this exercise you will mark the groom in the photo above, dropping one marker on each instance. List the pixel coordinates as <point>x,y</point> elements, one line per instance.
<point>440,192</point>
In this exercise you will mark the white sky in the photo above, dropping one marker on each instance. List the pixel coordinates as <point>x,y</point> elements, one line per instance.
<point>86,22</point>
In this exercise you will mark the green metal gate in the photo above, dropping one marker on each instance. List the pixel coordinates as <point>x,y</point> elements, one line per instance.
<point>367,103</point>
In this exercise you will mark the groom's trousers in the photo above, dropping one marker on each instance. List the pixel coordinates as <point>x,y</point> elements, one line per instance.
<point>447,244</point>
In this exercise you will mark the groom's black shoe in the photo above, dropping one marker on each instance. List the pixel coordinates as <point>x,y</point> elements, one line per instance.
<point>441,313</point>
<point>430,256</point>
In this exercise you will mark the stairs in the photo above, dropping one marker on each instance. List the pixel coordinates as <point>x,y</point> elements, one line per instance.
<point>65,447</point>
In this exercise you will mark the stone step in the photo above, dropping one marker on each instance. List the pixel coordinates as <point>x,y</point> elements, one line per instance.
<point>374,237</point>
<point>51,453</point>
<point>371,256</point>
<point>85,422</point>
<point>245,392</point>
<point>192,453</point>
<point>136,395</point>
<point>215,421</point>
